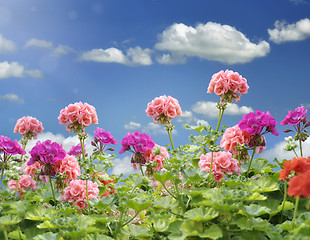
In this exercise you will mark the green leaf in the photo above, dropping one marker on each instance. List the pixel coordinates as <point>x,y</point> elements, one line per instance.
<point>287,206</point>
<point>213,232</point>
<point>194,228</point>
<point>255,210</point>
<point>250,223</point>
<point>17,235</point>
<point>46,224</point>
<point>46,236</point>
<point>162,203</point>
<point>9,220</point>
<point>137,230</point>
<point>199,128</point>
<point>139,204</point>
<point>201,214</point>
<point>263,184</point>
<point>163,176</point>
<point>38,213</point>
<point>97,236</point>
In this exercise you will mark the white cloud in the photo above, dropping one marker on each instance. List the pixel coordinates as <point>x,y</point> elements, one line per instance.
<point>6,45</point>
<point>210,110</point>
<point>135,56</point>
<point>189,118</point>
<point>105,55</point>
<point>11,97</point>
<point>210,41</point>
<point>155,129</point>
<point>55,51</point>
<point>35,73</point>
<point>139,56</point>
<point>170,59</point>
<point>123,166</point>
<point>33,42</point>
<point>297,2</point>
<point>284,32</point>
<point>132,126</point>
<point>61,50</point>
<point>14,69</point>
<point>278,151</point>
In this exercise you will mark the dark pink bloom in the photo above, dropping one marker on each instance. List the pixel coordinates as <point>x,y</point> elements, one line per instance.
<point>47,153</point>
<point>104,137</point>
<point>295,117</point>
<point>254,123</point>
<point>140,142</point>
<point>10,147</point>
<point>76,150</point>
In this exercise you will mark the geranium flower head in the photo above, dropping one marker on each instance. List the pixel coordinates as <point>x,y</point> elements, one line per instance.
<point>295,117</point>
<point>163,109</point>
<point>29,127</point>
<point>10,147</point>
<point>76,150</point>
<point>47,152</point>
<point>298,165</point>
<point>24,183</point>
<point>104,137</point>
<point>77,116</point>
<point>229,85</point>
<point>69,166</point>
<point>254,123</point>
<point>140,142</point>
<point>299,186</point>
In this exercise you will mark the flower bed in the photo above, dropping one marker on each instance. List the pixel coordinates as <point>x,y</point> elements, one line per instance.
<point>213,188</point>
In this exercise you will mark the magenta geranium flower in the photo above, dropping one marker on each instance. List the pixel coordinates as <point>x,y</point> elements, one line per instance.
<point>104,137</point>
<point>295,117</point>
<point>136,142</point>
<point>10,147</point>
<point>47,152</point>
<point>76,150</point>
<point>254,123</point>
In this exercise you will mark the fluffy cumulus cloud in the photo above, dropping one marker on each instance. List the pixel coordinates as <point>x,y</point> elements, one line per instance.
<point>6,45</point>
<point>55,51</point>
<point>135,56</point>
<point>123,166</point>
<point>210,110</point>
<point>189,118</point>
<point>14,69</point>
<point>211,41</point>
<point>11,97</point>
<point>155,129</point>
<point>284,32</point>
<point>278,151</point>
<point>132,126</point>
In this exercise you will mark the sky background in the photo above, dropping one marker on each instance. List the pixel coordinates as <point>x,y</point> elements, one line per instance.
<point>119,55</point>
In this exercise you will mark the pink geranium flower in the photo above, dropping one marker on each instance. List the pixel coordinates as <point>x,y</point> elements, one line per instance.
<point>23,184</point>
<point>229,85</point>
<point>76,192</point>
<point>69,166</point>
<point>77,116</point>
<point>163,109</point>
<point>29,127</point>
<point>223,162</point>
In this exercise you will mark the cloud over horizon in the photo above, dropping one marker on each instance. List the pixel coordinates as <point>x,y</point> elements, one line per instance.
<point>14,69</point>
<point>284,32</point>
<point>211,41</point>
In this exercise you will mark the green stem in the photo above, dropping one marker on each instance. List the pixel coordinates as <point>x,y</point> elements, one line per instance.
<point>5,233</point>
<point>52,190</point>
<point>87,195</point>
<point>141,168</point>
<point>179,197</point>
<point>300,147</point>
<point>296,207</point>
<point>221,113</point>
<point>170,137</point>
<point>2,173</point>
<point>15,189</point>
<point>168,191</point>
<point>284,199</point>
<point>119,224</point>
<point>295,153</point>
<point>130,219</point>
<point>254,149</point>
<point>82,139</point>
<point>211,165</point>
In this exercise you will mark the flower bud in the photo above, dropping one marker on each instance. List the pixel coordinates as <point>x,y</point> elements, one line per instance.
<point>287,130</point>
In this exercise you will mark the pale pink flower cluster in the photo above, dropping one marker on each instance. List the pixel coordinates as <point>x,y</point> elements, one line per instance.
<point>24,183</point>
<point>29,127</point>
<point>163,109</point>
<point>76,192</point>
<point>34,170</point>
<point>230,83</point>
<point>223,162</point>
<point>149,155</point>
<point>77,116</point>
<point>232,137</point>
<point>70,166</point>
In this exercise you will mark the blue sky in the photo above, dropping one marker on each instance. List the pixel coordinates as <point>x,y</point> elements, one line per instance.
<point>119,55</point>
